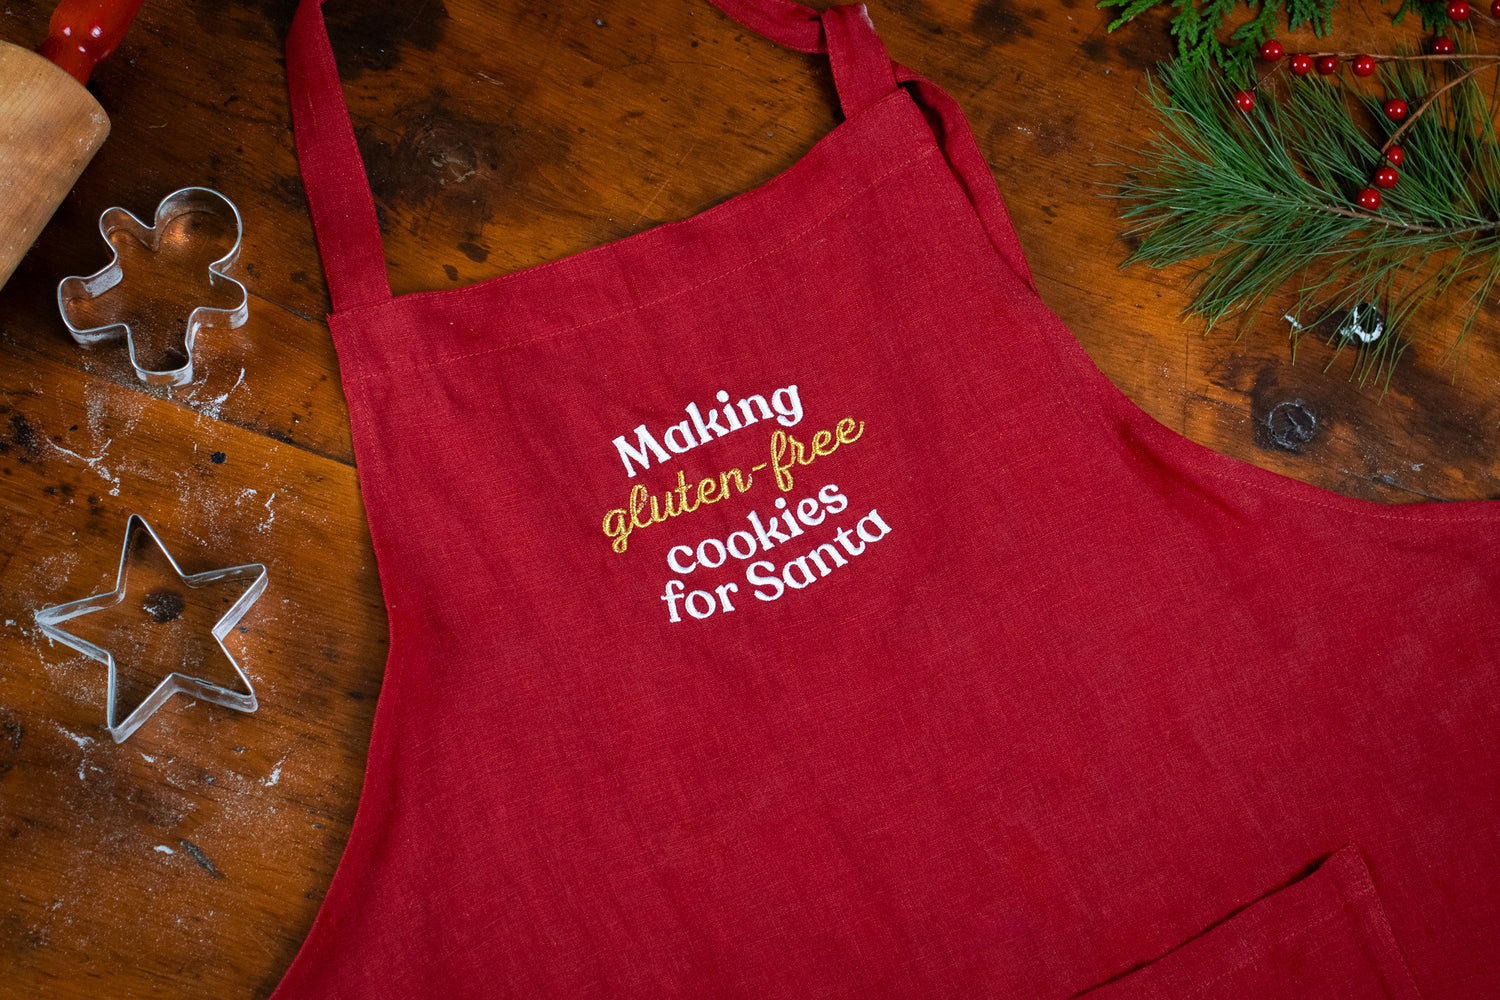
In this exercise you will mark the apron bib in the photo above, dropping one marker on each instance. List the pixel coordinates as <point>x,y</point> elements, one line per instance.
<point>783,605</point>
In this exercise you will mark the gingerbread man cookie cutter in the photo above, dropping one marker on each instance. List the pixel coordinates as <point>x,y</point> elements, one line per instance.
<point>163,284</point>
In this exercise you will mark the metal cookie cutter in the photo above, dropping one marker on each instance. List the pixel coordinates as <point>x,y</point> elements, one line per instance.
<point>163,284</point>
<point>163,604</point>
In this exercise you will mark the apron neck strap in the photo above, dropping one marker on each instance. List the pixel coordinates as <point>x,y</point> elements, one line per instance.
<point>333,174</point>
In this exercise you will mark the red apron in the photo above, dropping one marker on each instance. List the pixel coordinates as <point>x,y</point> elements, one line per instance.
<point>783,605</point>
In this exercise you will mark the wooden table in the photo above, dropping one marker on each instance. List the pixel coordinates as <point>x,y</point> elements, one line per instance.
<point>190,859</point>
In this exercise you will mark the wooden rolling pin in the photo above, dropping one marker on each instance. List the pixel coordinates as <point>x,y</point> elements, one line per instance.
<point>50,125</point>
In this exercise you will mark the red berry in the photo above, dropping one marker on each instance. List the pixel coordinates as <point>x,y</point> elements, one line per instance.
<point>1244,100</point>
<point>1327,64</point>
<point>1495,10</point>
<point>1386,177</point>
<point>1442,45</point>
<point>1458,10</point>
<point>1368,198</point>
<point>1302,64</point>
<point>1271,50</point>
<point>1395,155</point>
<point>1395,109</point>
<point>1364,65</point>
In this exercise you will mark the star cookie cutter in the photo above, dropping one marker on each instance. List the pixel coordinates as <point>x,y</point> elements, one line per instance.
<point>160,287</point>
<point>168,605</point>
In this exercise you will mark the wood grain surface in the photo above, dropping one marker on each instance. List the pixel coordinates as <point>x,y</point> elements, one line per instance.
<point>189,861</point>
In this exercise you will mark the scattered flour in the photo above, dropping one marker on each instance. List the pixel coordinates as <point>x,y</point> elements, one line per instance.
<point>82,741</point>
<point>214,408</point>
<point>275,775</point>
<point>92,463</point>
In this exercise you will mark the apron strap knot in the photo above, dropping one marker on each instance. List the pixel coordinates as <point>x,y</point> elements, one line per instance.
<point>862,71</point>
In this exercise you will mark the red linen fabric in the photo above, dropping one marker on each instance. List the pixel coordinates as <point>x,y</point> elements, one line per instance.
<point>782,605</point>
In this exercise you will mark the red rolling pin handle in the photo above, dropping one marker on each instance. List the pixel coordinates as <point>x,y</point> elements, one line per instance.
<point>83,32</point>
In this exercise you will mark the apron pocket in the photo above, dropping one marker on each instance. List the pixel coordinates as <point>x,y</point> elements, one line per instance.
<point>1324,936</point>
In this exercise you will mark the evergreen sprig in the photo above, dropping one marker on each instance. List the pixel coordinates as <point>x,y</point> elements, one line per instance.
<point>1197,25</point>
<point>1267,198</point>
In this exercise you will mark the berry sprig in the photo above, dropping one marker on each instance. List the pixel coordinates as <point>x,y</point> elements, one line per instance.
<point>1396,109</point>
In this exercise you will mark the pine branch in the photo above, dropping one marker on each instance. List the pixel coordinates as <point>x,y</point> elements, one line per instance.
<point>1266,198</point>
